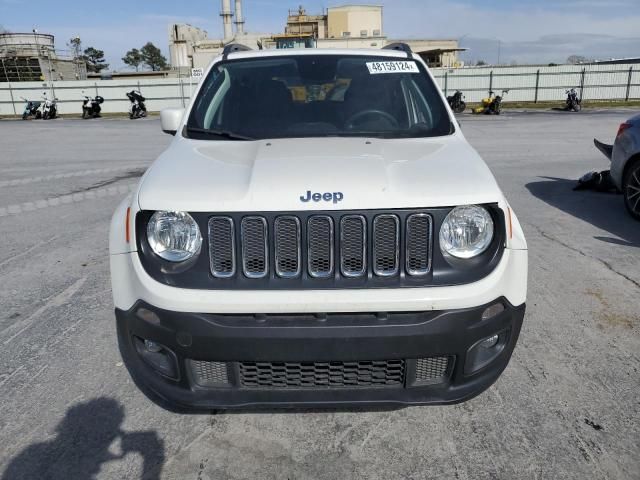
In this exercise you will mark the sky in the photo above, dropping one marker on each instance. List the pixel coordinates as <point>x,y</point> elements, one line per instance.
<point>513,31</point>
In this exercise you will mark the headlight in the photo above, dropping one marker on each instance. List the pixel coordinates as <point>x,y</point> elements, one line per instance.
<point>466,232</point>
<point>174,236</point>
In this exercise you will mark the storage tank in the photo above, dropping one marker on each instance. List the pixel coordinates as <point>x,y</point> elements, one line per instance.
<point>26,45</point>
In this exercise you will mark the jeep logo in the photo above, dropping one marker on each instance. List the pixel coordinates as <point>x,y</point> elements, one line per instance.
<point>336,197</point>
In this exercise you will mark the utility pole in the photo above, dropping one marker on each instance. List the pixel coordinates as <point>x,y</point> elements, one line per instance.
<point>35,36</point>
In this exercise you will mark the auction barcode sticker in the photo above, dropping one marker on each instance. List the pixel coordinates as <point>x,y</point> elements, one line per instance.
<point>376,68</point>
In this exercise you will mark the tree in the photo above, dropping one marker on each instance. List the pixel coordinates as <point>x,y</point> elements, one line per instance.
<point>75,45</point>
<point>153,58</point>
<point>94,59</point>
<point>576,59</point>
<point>133,58</point>
<point>480,63</point>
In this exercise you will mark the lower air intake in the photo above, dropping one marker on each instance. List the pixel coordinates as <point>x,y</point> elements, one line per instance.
<point>283,375</point>
<point>433,369</point>
<point>210,374</point>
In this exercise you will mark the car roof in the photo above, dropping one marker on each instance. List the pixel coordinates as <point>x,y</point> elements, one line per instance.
<point>288,52</point>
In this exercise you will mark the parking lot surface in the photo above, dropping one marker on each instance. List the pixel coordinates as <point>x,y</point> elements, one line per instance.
<point>568,405</point>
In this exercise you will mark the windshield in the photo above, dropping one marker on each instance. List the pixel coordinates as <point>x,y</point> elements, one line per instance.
<point>318,96</point>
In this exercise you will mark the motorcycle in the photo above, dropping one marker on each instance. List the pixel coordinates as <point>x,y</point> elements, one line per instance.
<point>50,108</point>
<point>31,109</point>
<point>91,106</point>
<point>137,109</point>
<point>492,105</point>
<point>573,101</point>
<point>456,102</point>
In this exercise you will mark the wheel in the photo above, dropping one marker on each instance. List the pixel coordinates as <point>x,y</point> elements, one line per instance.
<point>577,107</point>
<point>631,189</point>
<point>38,115</point>
<point>45,116</point>
<point>131,116</point>
<point>25,115</point>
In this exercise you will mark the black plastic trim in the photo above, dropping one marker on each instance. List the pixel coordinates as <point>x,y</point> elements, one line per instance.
<point>343,337</point>
<point>232,48</point>
<point>401,47</point>
<point>445,270</point>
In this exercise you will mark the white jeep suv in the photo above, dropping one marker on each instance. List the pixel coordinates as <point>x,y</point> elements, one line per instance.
<point>319,233</point>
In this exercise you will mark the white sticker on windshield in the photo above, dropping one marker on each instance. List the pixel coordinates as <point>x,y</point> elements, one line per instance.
<point>376,68</point>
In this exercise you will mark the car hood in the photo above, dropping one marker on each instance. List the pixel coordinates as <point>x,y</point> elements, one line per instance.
<point>355,173</point>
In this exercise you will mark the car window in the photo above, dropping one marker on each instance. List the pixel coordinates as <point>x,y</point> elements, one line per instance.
<point>318,95</point>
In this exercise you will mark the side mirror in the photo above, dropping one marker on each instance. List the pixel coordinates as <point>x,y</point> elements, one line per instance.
<point>170,119</point>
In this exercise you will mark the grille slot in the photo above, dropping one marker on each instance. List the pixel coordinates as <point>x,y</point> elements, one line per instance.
<point>222,247</point>
<point>283,375</point>
<point>287,246</point>
<point>353,246</point>
<point>209,374</point>
<point>320,250</point>
<point>254,247</point>
<point>386,243</point>
<point>419,233</point>
<point>432,370</point>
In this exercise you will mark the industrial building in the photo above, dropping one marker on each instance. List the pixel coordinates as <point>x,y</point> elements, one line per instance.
<point>27,57</point>
<point>348,26</point>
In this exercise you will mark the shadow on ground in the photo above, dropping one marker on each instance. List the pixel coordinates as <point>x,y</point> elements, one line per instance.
<point>87,437</point>
<point>603,210</point>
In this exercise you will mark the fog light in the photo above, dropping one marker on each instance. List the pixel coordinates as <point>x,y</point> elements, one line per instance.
<point>485,351</point>
<point>490,342</point>
<point>158,357</point>
<point>152,347</point>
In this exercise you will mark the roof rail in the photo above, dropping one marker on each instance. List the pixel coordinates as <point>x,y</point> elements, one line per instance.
<point>400,47</point>
<point>232,48</point>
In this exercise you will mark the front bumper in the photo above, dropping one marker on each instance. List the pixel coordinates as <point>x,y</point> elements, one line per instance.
<point>278,339</point>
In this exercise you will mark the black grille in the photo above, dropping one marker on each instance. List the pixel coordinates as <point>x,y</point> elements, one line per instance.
<point>353,246</point>
<point>287,236</point>
<point>254,247</point>
<point>432,369</point>
<point>222,247</point>
<point>290,246</point>
<point>209,374</point>
<point>322,375</point>
<point>419,231</point>
<point>320,246</point>
<point>386,238</point>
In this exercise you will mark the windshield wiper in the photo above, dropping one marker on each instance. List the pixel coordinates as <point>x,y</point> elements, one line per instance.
<point>218,133</point>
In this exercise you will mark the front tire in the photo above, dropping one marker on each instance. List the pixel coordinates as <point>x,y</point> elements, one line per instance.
<point>631,189</point>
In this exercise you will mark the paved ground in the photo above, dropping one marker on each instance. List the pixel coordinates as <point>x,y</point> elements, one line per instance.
<point>567,406</point>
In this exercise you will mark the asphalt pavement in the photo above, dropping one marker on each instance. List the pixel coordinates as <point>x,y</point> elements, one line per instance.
<point>568,405</point>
